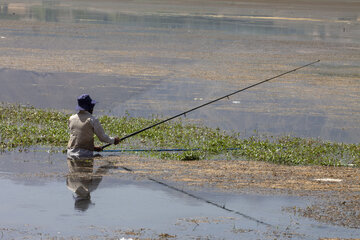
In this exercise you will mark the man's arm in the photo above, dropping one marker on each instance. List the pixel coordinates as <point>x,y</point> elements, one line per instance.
<point>100,133</point>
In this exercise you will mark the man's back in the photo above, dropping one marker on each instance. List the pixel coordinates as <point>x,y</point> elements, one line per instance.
<point>81,127</point>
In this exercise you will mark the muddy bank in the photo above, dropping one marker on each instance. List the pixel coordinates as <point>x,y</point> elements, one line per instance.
<point>240,176</point>
<point>335,188</point>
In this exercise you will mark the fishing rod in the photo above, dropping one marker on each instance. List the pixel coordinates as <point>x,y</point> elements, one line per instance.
<point>165,150</point>
<point>208,103</point>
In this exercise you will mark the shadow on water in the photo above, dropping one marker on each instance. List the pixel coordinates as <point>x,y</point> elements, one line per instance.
<point>88,199</point>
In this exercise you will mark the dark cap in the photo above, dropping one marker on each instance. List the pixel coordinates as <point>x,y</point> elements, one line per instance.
<point>85,103</point>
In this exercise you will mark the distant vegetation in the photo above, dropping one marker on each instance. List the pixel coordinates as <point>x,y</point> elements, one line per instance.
<point>23,127</point>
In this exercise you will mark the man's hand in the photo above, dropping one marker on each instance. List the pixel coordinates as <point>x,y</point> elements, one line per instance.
<point>117,140</point>
<point>98,149</point>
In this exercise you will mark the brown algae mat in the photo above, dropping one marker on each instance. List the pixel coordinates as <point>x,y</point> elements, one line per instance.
<point>335,189</point>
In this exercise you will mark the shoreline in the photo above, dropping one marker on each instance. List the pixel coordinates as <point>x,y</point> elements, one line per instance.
<point>334,190</point>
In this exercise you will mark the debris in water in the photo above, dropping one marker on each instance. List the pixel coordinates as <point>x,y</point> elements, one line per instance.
<point>328,180</point>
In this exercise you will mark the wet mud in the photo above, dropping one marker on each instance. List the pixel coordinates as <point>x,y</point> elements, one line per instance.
<point>336,189</point>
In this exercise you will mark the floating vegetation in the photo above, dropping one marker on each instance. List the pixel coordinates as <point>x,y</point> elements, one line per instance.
<point>23,126</point>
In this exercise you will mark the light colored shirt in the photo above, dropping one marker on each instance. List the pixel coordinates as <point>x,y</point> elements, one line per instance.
<point>83,126</point>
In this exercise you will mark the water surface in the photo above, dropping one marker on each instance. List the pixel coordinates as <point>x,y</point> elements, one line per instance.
<point>38,199</point>
<point>163,58</point>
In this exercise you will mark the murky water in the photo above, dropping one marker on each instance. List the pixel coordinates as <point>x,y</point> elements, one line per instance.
<point>38,199</point>
<point>163,58</point>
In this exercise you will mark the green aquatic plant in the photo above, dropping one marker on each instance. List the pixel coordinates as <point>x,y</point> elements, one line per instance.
<point>22,127</point>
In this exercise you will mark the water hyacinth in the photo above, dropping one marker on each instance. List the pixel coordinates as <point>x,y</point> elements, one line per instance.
<point>23,126</point>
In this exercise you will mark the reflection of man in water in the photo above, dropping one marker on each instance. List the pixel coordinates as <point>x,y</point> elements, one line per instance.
<point>83,126</point>
<point>81,180</point>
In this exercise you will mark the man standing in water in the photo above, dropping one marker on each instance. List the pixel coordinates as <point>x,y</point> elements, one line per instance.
<point>83,126</point>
